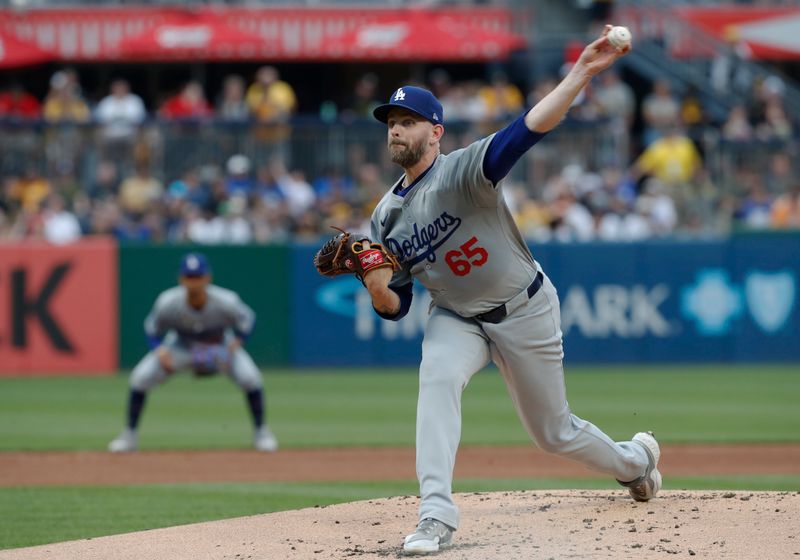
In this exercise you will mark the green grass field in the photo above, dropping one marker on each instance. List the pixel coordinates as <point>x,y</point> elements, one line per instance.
<point>365,408</point>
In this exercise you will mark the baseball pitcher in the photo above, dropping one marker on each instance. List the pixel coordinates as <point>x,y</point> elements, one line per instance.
<point>446,222</point>
<point>199,327</point>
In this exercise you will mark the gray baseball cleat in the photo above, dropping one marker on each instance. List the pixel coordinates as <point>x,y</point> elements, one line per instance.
<point>127,440</point>
<point>264,439</point>
<point>646,486</point>
<point>431,536</point>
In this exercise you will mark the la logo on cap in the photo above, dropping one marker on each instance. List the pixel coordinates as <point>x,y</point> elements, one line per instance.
<point>399,95</point>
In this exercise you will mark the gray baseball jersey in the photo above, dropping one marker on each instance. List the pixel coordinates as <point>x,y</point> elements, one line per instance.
<point>224,312</point>
<point>453,232</point>
<point>184,328</point>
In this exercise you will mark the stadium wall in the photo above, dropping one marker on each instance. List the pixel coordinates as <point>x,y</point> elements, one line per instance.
<point>80,308</point>
<point>671,301</point>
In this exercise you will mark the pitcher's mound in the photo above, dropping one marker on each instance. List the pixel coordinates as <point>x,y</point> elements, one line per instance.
<point>508,525</point>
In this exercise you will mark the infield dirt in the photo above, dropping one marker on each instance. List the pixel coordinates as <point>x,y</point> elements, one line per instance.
<point>575,524</point>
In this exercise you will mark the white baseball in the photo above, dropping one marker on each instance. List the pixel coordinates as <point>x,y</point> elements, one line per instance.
<point>619,36</point>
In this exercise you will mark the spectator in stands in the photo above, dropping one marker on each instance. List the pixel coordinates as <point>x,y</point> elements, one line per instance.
<point>737,126</point>
<point>616,102</point>
<point>232,110</point>
<point>230,227</point>
<point>198,225</point>
<point>233,226</point>
<point>441,86</point>
<point>333,185</point>
<point>306,226</point>
<point>191,188</point>
<point>765,91</point>
<point>786,209</point>
<point>136,228</point>
<point>660,111</point>
<point>30,190</point>
<point>18,143</point>
<point>780,175</point>
<point>189,103</point>
<point>267,189</point>
<point>776,124</point>
<point>464,104</point>
<point>139,191</point>
<point>370,187</point>
<point>64,102</point>
<point>364,97</point>
<point>238,180</point>
<point>755,207</point>
<point>231,105</point>
<point>120,114</point>
<point>570,220</point>
<point>270,223</point>
<point>270,99</point>
<point>65,108</point>
<point>673,159</point>
<point>104,181</point>
<point>272,102</point>
<point>702,208</point>
<point>658,207</point>
<point>60,226</point>
<point>619,223</point>
<point>104,216</point>
<point>299,193</point>
<point>693,114</point>
<point>501,99</point>
<point>16,103</point>
<point>615,98</point>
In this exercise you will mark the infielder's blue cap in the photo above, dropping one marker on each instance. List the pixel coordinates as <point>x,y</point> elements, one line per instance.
<point>195,264</point>
<point>416,99</point>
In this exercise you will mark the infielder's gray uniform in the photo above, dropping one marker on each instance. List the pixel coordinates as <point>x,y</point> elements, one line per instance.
<point>454,233</point>
<point>186,332</point>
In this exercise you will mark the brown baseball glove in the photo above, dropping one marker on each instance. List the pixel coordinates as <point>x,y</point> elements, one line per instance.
<point>342,255</point>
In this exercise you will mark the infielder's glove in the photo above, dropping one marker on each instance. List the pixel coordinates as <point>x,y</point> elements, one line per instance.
<point>208,359</point>
<point>342,255</point>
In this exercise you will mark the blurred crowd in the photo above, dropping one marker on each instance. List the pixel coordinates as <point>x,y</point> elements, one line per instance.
<point>621,167</point>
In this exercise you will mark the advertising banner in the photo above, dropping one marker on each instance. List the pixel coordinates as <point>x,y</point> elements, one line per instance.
<point>327,313</point>
<point>120,33</point>
<point>58,308</point>
<point>727,301</point>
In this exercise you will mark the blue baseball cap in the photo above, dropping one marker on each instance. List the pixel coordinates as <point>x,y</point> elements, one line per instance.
<point>415,99</point>
<point>195,264</point>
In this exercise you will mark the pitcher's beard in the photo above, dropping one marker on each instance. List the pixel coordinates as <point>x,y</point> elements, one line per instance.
<point>409,156</point>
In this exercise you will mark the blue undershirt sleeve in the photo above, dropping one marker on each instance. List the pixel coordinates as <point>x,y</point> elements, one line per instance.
<point>507,147</point>
<point>405,293</point>
<point>154,341</point>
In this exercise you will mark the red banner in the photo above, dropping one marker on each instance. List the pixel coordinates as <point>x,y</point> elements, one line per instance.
<point>15,52</point>
<point>768,33</point>
<point>289,34</point>
<point>765,33</point>
<point>58,308</point>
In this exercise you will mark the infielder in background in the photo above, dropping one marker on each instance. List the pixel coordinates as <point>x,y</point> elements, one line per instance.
<point>446,221</point>
<point>200,327</point>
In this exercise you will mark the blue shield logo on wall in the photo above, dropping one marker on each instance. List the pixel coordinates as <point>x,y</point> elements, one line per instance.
<point>770,298</point>
<point>712,302</point>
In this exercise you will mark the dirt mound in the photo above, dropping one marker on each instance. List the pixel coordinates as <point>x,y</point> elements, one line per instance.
<point>507,525</point>
<point>385,463</point>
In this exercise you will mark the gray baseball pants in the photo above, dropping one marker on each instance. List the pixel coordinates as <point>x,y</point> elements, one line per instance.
<point>526,347</point>
<point>148,373</point>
